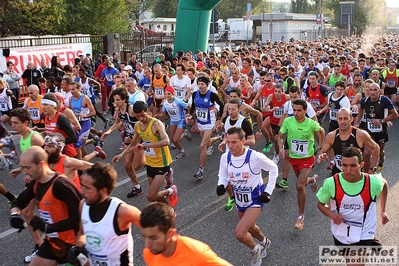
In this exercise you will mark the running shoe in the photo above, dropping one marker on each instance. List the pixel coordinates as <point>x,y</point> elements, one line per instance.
<point>299,222</point>
<point>14,156</point>
<point>282,184</point>
<point>100,152</point>
<point>181,154</point>
<point>380,163</point>
<point>264,247</point>
<point>187,135</point>
<point>331,166</point>
<point>30,257</point>
<point>209,151</point>
<point>95,140</point>
<point>169,179</point>
<point>10,165</point>
<point>230,204</point>
<point>313,185</point>
<point>256,257</point>
<point>10,202</point>
<point>11,145</point>
<point>135,191</point>
<point>122,147</point>
<point>199,175</point>
<point>267,147</point>
<point>106,123</point>
<point>173,198</point>
<point>173,146</point>
<point>276,158</point>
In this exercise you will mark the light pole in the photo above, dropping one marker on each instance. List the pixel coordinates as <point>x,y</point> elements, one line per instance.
<point>271,20</point>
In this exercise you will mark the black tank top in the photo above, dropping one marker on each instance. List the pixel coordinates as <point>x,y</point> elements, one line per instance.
<point>127,120</point>
<point>339,145</point>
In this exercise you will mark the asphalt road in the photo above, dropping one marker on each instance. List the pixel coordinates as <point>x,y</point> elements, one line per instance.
<point>200,212</point>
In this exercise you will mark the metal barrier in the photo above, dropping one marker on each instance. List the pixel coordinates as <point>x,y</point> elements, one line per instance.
<point>23,94</point>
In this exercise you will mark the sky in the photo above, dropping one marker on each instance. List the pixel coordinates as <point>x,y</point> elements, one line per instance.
<point>392,3</point>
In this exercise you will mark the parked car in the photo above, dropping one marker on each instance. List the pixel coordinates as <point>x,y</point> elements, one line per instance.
<point>150,52</point>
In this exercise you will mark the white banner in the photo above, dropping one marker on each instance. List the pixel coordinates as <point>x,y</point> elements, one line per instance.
<point>66,52</point>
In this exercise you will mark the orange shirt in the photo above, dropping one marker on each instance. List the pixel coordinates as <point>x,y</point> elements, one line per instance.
<point>189,252</point>
<point>60,169</point>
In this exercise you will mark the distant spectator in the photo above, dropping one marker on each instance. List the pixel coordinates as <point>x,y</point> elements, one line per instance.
<point>31,74</point>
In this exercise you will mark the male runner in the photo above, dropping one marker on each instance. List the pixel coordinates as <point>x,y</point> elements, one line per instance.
<point>350,225</point>
<point>164,246</point>
<point>300,138</point>
<point>58,205</point>
<point>106,218</point>
<point>150,136</point>
<point>242,167</point>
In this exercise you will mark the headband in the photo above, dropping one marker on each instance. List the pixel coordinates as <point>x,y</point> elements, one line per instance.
<point>50,102</point>
<point>48,140</point>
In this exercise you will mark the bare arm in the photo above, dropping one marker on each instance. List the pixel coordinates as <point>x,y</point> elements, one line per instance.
<point>383,202</point>
<point>326,147</point>
<point>87,102</point>
<point>76,164</point>
<point>128,214</point>
<point>80,237</point>
<point>337,218</point>
<point>367,141</point>
<point>72,119</point>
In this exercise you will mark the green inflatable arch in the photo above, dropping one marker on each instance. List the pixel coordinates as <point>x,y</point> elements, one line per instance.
<point>192,24</point>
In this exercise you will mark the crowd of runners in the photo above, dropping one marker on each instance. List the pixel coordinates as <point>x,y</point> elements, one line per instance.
<point>325,100</point>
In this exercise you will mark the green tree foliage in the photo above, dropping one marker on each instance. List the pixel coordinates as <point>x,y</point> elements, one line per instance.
<point>164,8</point>
<point>41,17</point>
<point>301,6</point>
<point>368,14</point>
<point>237,8</point>
<point>23,18</point>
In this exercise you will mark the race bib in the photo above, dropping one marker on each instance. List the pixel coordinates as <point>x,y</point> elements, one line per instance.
<point>180,93</point>
<point>3,106</point>
<point>108,77</point>
<point>99,260</point>
<point>333,114</point>
<point>243,197</point>
<point>34,113</point>
<point>349,230</point>
<point>159,93</point>
<point>149,151</point>
<point>174,114</point>
<point>300,147</point>
<point>315,103</point>
<point>128,128</point>
<point>202,114</point>
<point>373,128</point>
<point>278,113</point>
<point>46,217</point>
<point>338,161</point>
<point>391,83</point>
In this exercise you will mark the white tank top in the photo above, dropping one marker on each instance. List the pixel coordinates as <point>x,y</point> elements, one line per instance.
<point>359,214</point>
<point>246,184</point>
<point>103,244</point>
<point>5,101</point>
<point>86,87</point>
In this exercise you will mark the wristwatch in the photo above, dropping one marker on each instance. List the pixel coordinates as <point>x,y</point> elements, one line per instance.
<point>259,130</point>
<point>374,169</point>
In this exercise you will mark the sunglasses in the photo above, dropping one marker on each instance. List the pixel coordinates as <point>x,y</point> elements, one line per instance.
<point>268,80</point>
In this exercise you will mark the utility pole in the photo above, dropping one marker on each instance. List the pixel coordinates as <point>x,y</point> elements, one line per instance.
<point>271,20</point>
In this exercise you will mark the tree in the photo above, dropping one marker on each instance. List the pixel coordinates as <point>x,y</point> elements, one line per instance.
<point>23,18</point>
<point>303,6</point>
<point>236,8</point>
<point>164,8</point>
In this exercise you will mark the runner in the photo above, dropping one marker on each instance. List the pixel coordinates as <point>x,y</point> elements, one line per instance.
<point>242,167</point>
<point>58,204</point>
<point>164,246</point>
<point>131,161</point>
<point>294,94</point>
<point>34,105</point>
<point>20,119</point>
<point>348,136</point>
<point>374,108</point>
<point>300,137</point>
<point>175,108</point>
<point>353,226</point>
<point>150,136</point>
<point>61,163</point>
<point>106,218</point>
<point>157,87</point>
<point>336,100</point>
<point>181,83</point>
<point>83,109</point>
<point>203,104</point>
<point>235,119</point>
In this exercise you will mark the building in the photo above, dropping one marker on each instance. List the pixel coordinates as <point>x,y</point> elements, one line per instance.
<point>288,25</point>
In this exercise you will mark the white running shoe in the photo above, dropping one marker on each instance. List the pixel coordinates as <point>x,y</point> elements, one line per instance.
<point>264,247</point>
<point>209,151</point>
<point>276,158</point>
<point>256,256</point>
<point>30,257</point>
